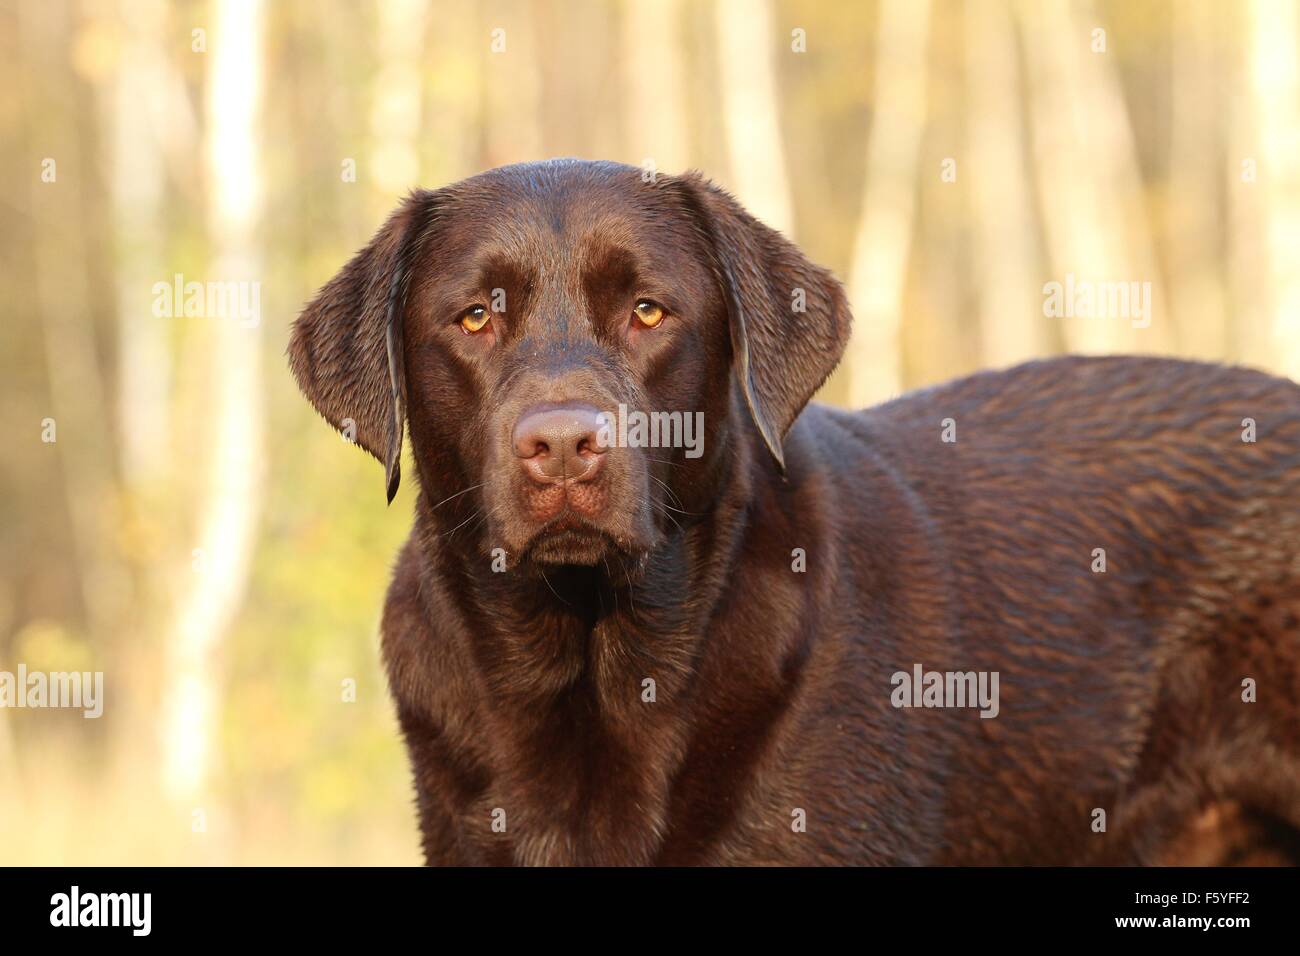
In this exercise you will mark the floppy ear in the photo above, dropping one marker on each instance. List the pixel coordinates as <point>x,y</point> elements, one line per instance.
<point>789,318</point>
<point>346,347</point>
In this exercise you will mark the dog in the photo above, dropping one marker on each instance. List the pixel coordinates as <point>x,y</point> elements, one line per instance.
<point>610,648</point>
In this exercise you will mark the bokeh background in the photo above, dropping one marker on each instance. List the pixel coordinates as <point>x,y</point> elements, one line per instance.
<point>198,535</point>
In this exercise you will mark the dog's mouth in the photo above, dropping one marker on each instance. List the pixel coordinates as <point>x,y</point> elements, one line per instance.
<point>569,540</point>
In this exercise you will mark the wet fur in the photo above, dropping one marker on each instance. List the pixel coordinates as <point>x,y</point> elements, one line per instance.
<point>522,692</point>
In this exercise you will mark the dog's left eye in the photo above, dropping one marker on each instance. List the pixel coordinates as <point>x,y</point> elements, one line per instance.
<point>648,314</point>
<point>474,319</point>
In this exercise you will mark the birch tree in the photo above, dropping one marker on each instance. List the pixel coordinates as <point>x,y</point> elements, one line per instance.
<point>512,104</point>
<point>396,105</point>
<point>882,244</point>
<point>78,400</point>
<point>1085,165</point>
<point>136,185</point>
<point>1195,210</point>
<point>751,110</point>
<point>655,118</point>
<point>1006,264</point>
<point>1275,99</point>
<point>216,579</point>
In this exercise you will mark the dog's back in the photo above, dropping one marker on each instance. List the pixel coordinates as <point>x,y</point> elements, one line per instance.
<point>1117,539</point>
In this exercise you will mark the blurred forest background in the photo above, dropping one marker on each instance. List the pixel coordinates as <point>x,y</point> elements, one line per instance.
<point>197,534</point>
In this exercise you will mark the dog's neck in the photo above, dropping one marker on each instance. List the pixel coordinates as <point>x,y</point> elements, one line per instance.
<point>538,631</point>
<point>586,677</point>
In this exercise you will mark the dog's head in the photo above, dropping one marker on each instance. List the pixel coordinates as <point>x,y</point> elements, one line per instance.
<point>579,349</point>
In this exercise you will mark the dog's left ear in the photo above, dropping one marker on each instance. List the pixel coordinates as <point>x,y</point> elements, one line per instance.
<point>346,347</point>
<point>789,318</point>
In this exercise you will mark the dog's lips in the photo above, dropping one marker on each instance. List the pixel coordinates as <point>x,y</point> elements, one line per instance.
<point>569,540</point>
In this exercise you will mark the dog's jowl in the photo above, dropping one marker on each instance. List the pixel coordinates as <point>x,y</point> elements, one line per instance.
<point>610,651</point>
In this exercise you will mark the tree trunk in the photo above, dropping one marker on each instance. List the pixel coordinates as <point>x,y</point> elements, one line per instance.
<point>655,127</point>
<point>1005,252</point>
<point>395,108</point>
<point>233,482</point>
<point>1192,222</point>
<point>882,246</point>
<point>78,400</point>
<point>751,110</point>
<point>512,101</point>
<point>1275,98</point>
<point>1089,189</point>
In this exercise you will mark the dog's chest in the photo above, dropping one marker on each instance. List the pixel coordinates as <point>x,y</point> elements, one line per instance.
<point>582,773</point>
<point>563,796</point>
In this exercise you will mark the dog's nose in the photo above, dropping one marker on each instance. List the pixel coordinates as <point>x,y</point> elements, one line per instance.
<point>559,442</point>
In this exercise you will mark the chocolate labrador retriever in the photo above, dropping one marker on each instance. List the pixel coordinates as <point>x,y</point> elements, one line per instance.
<point>656,608</point>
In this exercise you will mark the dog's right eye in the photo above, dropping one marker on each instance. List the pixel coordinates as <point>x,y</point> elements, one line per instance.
<point>474,319</point>
<point>648,313</point>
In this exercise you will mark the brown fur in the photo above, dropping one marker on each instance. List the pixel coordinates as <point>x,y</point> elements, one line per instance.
<point>522,691</point>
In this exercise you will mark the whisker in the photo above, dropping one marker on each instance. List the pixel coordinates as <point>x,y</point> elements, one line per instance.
<point>665,487</point>
<point>665,461</point>
<point>631,596</point>
<point>689,514</point>
<point>553,591</point>
<point>457,495</point>
<point>608,574</point>
<point>476,513</point>
<point>482,519</point>
<point>664,511</point>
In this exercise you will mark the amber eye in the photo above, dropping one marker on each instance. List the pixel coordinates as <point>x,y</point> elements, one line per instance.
<point>648,314</point>
<point>474,319</point>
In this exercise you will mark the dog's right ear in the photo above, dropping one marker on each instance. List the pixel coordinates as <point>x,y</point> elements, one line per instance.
<point>346,347</point>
